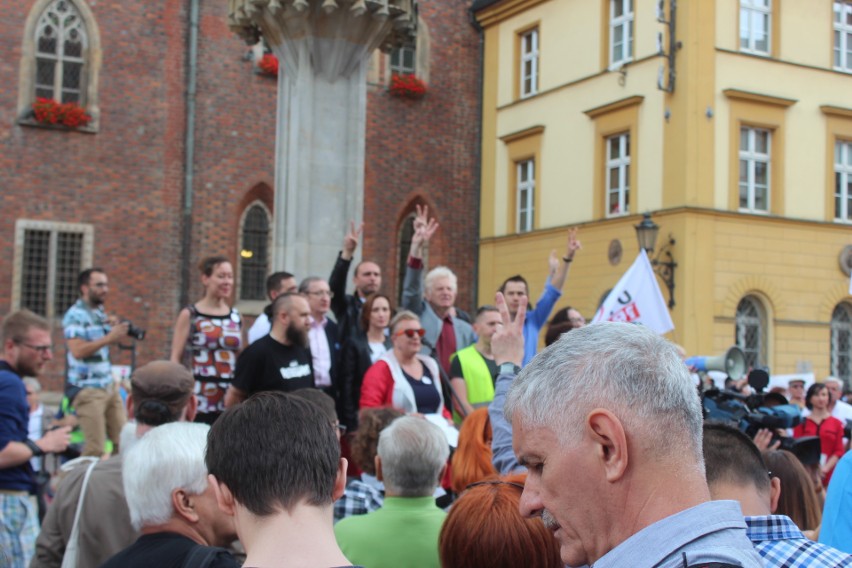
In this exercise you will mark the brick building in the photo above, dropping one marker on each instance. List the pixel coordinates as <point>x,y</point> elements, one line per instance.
<point>113,193</point>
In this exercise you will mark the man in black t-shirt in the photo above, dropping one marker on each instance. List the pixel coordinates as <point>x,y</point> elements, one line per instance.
<point>280,361</point>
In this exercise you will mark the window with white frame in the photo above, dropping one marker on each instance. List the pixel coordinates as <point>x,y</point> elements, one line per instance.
<point>254,252</point>
<point>525,192</point>
<point>755,22</point>
<point>843,181</point>
<point>841,343</point>
<point>754,184</point>
<point>620,32</point>
<point>403,60</point>
<point>618,175</point>
<point>61,49</point>
<point>48,258</point>
<point>750,331</point>
<point>843,35</point>
<point>529,63</point>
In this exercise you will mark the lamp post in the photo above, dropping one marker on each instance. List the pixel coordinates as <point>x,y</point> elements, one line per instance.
<point>664,263</point>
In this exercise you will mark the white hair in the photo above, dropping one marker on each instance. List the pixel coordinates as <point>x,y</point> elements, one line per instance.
<point>831,379</point>
<point>413,452</point>
<point>168,457</point>
<point>438,273</point>
<point>624,368</point>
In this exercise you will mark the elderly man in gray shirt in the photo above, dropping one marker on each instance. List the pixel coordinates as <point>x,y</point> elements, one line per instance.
<point>609,426</point>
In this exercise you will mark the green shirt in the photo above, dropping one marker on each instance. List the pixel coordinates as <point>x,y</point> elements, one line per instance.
<point>404,532</point>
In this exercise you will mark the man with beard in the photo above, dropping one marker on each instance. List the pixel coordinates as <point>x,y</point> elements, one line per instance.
<point>91,387</point>
<point>26,348</point>
<point>281,360</point>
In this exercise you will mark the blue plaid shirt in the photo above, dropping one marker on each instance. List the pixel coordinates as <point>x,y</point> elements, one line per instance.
<point>82,322</point>
<point>359,498</point>
<point>781,543</point>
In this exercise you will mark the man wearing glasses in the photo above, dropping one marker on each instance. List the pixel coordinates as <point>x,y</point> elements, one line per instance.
<point>26,349</point>
<point>91,387</point>
<point>322,334</point>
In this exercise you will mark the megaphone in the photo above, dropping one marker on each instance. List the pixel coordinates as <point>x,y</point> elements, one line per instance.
<point>732,362</point>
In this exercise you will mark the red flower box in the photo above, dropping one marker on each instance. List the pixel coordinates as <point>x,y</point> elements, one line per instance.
<point>49,111</point>
<point>407,86</point>
<point>268,64</point>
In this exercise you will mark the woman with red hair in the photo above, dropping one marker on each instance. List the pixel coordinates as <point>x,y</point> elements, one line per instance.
<point>485,529</point>
<point>471,461</point>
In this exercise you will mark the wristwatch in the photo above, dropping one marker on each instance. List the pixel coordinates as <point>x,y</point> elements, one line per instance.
<point>509,368</point>
<point>37,452</point>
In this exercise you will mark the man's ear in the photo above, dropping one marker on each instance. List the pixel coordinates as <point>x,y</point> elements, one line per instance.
<point>184,505</point>
<point>607,433</point>
<point>191,408</point>
<point>774,494</point>
<point>224,497</point>
<point>130,415</point>
<point>340,480</point>
<point>378,462</point>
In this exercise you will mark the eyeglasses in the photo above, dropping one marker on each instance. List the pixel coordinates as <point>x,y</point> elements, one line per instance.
<point>42,349</point>
<point>321,293</point>
<point>410,333</point>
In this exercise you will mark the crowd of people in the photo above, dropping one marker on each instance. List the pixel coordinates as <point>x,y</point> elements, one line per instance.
<point>342,430</point>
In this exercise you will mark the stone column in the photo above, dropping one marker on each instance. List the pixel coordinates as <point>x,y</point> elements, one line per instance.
<point>323,47</point>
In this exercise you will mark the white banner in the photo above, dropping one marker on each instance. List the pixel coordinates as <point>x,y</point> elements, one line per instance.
<point>637,299</point>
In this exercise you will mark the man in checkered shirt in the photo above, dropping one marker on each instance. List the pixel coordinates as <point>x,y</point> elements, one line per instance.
<point>736,471</point>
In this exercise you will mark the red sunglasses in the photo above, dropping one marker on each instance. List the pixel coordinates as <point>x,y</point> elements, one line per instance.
<point>410,333</point>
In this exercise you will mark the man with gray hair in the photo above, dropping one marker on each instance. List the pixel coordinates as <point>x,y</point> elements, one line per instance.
<point>172,504</point>
<point>160,392</point>
<point>839,409</point>
<point>434,299</point>
<point>412,455</point>
<point>609,426</point>
<point>322,335</point>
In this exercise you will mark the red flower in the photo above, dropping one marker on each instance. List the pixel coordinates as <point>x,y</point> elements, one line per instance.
<point>49,111</point>
<point>268,64</point>
<point>408,86</point>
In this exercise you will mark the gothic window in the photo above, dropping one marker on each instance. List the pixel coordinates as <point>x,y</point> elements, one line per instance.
<point>841,342</point>
<point>254,252</point>
<point>750,331</point>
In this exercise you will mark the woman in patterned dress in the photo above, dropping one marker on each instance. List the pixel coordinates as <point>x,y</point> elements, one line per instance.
<point>208,336</point>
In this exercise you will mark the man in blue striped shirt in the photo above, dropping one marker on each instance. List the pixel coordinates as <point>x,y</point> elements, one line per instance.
<point>735,470</point>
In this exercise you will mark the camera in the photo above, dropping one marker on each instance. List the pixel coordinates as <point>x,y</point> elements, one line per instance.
<point>135,332</point>
<point>758,411</point>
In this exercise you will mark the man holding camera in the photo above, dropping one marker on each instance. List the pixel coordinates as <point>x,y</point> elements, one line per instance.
<point>90,385</point>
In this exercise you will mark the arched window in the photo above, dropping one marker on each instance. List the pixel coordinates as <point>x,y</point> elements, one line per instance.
<point>61,44</point>
<point>60,57</point>
<point>841,342</point>
<point>254,252</point>
<point>750,331</point>
<point>406,231</point>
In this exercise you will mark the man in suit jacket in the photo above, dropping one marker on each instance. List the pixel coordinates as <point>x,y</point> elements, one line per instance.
<point>434,297</point>
<point>322,334</point>
<point>367,280</point>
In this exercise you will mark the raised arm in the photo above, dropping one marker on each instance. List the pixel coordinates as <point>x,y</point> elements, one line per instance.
<point>507,345</point>
<point>337,280</point>
<point>560,272</point>
<point>412,288</point>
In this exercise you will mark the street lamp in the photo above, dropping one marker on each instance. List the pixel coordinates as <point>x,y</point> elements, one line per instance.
<point>664,264</point>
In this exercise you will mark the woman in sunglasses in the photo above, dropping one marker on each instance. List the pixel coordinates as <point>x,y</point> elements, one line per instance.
<point>404,378</point>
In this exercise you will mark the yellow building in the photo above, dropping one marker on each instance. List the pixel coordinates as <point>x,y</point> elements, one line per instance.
<point>729,120</point>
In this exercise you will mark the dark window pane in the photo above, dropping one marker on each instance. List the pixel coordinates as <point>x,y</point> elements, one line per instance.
<point>69,255</point>
<point>254,254</point>
<point>47,42</point>
<point>34,274</point>
<point>71,73</point>
<point>45,69</point>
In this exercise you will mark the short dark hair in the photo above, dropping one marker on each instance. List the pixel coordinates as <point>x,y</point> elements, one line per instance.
<point>84,276</point>
<point>282,302</point>
<point>362,263</point>
<point>305,285</point>
<point>814,390</point>
<point>208,264</point>
<point>274,280</point>
<point>731,457</point>
<point>484,310</point>
<point>515,278</point>
<point>273,452</point>
<point>367,308</point>
<point>322,400</point>
<point>18,324</point>
<point>555,331</point>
